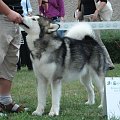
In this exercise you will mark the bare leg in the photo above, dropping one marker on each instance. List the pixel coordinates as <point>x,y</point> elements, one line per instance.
<point>5,86</point>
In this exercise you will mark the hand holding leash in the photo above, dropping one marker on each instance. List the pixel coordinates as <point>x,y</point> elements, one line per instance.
<point>94,16</point>
<point>62,19</point>
<point>14,16</point>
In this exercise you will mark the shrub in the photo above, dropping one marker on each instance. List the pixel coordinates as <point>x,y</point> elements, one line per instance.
<point>111,39</point>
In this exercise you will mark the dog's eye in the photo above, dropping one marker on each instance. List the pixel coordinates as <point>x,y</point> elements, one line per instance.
<point>33,19</point>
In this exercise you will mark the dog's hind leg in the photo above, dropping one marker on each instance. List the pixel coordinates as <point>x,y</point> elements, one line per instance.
<point>87,82</point>
<point>42,91</point>
<point>56,95</point>
<point>99,80</point>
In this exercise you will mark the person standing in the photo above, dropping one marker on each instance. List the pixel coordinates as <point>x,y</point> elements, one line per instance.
<point>9,47</point>
<point>24,58</point>
<point>53,10</point>
<point>90,13</point>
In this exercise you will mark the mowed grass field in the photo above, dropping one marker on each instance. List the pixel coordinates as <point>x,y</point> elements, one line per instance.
<point>73,99</point>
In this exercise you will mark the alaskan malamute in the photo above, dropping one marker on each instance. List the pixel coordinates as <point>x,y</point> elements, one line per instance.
<point>76,56</point>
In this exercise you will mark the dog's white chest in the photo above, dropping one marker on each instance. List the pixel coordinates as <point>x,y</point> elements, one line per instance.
<point>30,41</point>
<point>43,67</point>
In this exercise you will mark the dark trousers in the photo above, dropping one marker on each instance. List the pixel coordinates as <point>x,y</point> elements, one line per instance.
<point>24,59</point>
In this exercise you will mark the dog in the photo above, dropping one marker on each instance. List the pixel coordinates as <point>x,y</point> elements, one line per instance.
<point>77,56</point>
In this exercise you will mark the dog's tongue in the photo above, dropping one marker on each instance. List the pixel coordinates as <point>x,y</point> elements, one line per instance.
<point>24,25</point>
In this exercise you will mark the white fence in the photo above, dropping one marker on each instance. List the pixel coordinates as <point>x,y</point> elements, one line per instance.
<point>95,25</point>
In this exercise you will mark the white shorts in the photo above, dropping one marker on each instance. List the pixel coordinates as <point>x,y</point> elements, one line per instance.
<point>9,47</point>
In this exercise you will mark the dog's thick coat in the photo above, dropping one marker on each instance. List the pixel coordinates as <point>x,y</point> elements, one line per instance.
<point>76,56</point>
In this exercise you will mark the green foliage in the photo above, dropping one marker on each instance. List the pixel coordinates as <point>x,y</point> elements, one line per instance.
<point>72,102</point>
<point>111,39</point>
<point>110,35</point>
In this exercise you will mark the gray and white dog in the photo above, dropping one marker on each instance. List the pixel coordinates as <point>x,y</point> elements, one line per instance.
<point>76,56</point>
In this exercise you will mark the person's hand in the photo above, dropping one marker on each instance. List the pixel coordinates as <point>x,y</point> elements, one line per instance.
<point>43,3</point>
<point>62,19</point>
<point>14,17</point>
<point>30,14</point>
<point>94,16</point>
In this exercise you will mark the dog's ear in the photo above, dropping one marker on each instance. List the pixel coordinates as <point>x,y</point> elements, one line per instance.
<point>53,27</point>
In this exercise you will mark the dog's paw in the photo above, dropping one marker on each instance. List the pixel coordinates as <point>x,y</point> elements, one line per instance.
<point>39,113</point>
<point>54,112</point>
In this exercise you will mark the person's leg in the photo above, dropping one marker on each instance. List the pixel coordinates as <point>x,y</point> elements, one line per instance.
<point>98,38</point>
<point>27,57</point>
<point>19,62</point>
<point>5,98</point>
<point>108,59</point>
<point>7,71</point>
<point>9,47</point>
<point>5,86</point>
<point>23,52</point>
<point>29,62</point>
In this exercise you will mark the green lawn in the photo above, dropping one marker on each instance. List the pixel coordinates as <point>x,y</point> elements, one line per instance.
<point>72,101</point>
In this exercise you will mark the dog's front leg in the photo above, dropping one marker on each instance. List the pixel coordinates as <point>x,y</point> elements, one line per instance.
<point>42,91</point>
<point>56,95</point>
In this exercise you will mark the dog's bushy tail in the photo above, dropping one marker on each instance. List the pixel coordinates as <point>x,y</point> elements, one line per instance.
<point>80,30</point>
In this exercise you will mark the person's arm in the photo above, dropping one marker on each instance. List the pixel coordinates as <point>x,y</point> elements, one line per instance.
<point>99,8</point>
<point>12,15</point>
<point>61,9</point>
<point>4,8</point>
<point>101,5</point>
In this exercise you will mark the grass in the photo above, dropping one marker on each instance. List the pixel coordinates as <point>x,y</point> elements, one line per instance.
<point>72,101</point>
<point>110,35</point>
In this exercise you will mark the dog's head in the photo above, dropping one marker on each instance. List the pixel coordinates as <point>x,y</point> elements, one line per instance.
<point>38,25</point>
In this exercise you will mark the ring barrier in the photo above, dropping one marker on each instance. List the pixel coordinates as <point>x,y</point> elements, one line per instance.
<point>95,25</point>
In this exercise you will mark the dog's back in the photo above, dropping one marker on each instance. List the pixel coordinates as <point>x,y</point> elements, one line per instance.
<point>79,53</point>
<point>85,51</point>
